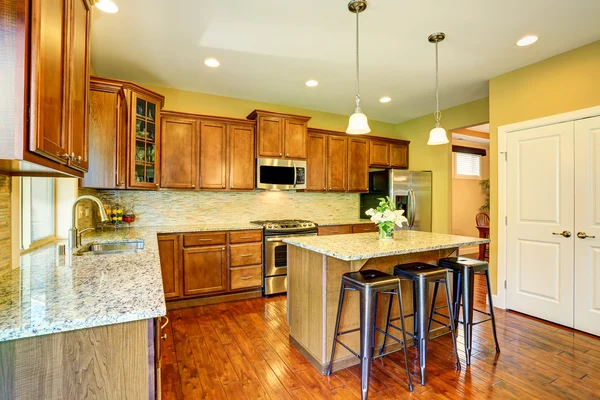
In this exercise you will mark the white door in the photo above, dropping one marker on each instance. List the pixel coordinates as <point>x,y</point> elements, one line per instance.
<point>540,183</point>
<point>587,225</point>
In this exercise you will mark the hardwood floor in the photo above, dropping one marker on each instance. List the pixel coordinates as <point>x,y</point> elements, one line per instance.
<point>240,350</point>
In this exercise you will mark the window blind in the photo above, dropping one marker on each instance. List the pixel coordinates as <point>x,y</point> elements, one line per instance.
<point>468,164</point>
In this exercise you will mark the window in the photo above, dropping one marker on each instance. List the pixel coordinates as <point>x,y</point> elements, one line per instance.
<point>37,210</point>
<point>467,165</point>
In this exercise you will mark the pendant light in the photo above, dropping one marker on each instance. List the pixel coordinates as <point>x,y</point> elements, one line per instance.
<point>437,134</point>
<point>358,123</point>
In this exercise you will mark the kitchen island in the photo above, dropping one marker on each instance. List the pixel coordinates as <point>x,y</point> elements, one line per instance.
<point>315,268</point>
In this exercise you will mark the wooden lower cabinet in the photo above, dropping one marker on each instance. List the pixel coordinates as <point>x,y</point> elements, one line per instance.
<point>169,247</point>
<point>363,228</point>
<point>246,277</point>
<point>204,270</point>
<point>116,361</point>
<point>334,230</point>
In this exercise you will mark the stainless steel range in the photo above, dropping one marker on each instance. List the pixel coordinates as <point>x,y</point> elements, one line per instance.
<point>275,251</point>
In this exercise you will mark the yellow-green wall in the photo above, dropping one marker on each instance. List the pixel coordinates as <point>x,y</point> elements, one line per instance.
<point>439,158</point>
<point>563,83</point>
<point>202,103</point>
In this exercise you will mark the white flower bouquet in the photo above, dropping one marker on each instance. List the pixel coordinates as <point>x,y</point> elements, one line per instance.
<point>386,216</point>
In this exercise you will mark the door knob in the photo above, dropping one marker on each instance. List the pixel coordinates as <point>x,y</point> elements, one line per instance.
<point>583,235</point>
<point>563,233</point>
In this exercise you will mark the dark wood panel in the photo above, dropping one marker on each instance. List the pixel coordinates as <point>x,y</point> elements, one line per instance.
<point>213,155</point>
<point>295,139</point>
<point>337,164</point>
<point>362,228</point>
<point>179,146</point>
<point>169,249</point>
<point>316,162</point>
<point>358,165</point>
<point>241,157</point>
<point>204,270</point>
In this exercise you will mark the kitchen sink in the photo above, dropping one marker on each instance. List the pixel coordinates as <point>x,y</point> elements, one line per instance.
<point>130,246</point>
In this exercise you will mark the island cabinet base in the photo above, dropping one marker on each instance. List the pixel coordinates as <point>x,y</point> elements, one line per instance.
<point>107,362</point>
<point>314,282</point>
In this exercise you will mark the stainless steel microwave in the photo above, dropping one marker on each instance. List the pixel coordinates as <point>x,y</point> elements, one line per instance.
<point>277,174</point>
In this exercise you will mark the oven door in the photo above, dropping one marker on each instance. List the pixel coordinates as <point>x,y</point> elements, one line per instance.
<point>276,254</point>
<point>277,174</point>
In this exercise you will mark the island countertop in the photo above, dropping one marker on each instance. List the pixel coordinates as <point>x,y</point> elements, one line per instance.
<point>363,246</point>
<point>49,293</point>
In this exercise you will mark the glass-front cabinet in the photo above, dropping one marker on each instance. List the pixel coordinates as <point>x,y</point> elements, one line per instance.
<point>144,160</point>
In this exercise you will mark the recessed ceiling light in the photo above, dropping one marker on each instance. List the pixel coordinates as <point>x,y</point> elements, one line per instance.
<point>311,83</point>
<point>212,62</point>
<point>107,6</point>
<point>527,40</point>
<point>385,99</point>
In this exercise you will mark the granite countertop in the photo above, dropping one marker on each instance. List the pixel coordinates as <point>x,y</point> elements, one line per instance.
<point>347,221</point>
<point>361,246</point>
<point>50,293</point>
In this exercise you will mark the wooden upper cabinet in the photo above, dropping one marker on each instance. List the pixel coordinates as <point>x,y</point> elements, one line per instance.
<point>280,135</point>
<point>107,136</point>
<point>49,78</point>
<point>179,148</point>
<point>241,157</point>
<point>295,138</point>
<point>78,84</point>
<point>358,165</point>
<point>169,250</point>
<point>379,153</point>
<point>213,155</point>
<point>316,162</point>
<point>398,155</point>
<point>337,163</point>
<point>204,270</point>
<point>270,137</point>
<point>144,141</point>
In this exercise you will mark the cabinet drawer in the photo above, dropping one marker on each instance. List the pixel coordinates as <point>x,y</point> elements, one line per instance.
<point>334,230</point>
<point>246,254</point>
<point>204,239</point>
<point>246,277</point>
<point>245,236</point>
<point>362,228</point>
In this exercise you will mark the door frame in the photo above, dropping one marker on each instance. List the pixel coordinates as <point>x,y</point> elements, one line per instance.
<point>503,131</point>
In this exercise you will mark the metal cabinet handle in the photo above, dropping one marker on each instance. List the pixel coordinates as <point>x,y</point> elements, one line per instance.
<point>204,240</point>
<point>164,337</point>
<point>563,233</point>
<point>156,184</point>
<point>78,159</point>
<point>165,324</point>
<point>246,255</point>
<point>122,183</point>
<point>65,156</point>
<point>246,237</point>
<point>245,278</point>
<point>193,186</point>
<point>583,235</point>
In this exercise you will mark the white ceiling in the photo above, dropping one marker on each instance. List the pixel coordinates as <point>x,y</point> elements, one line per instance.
<point>269,48</point>
<point>485,128</point>
<point>470,139</point>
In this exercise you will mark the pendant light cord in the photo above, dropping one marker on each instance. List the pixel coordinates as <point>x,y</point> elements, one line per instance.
<point>437,114</point>
<point>357,66</point>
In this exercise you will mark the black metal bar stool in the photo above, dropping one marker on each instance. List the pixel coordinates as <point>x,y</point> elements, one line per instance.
<point>464,270</point>
<point>422,275</point>
<point>369,283</point>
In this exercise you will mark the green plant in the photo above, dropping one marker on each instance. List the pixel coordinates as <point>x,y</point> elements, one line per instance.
<point>485,188</point>
<point>386,216</point>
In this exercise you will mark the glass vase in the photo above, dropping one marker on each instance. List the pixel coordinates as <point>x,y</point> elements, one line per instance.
<point>386,233</point>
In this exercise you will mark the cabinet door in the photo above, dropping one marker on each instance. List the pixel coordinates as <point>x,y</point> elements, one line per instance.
<point>337,164</point>
<point>334,230</point>
<point>241,157</point>
<point>144,141</point>
<point>316,162</point>
<point>398,155</point>
<point>270,137</point>
<point>213,155</point>
<point>169,250</point>
<point>358,165</point>
<point>379,153</point>
<point>204,270</point>
<point>78,84</point>
<point>48,79</point>
<point>295,139</point>
<point>179,147</point>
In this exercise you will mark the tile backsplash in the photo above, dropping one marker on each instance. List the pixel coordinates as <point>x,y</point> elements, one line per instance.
<point>187,207</point>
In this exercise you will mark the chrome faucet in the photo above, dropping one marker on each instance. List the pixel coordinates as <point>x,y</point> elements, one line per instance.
<point>74,234</point>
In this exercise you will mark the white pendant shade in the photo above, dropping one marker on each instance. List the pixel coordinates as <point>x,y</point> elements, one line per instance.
<point>437,136</point>
<point>107,6</point>
<point>358,124</point>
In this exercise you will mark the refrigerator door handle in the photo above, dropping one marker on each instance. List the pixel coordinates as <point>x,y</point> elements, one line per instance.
<point>413,202</point>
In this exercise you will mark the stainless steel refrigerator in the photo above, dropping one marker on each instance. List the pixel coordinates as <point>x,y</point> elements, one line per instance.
<point>410,191</point>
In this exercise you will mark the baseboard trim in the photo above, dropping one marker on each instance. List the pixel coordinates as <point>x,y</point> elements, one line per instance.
<point>498,302</point>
